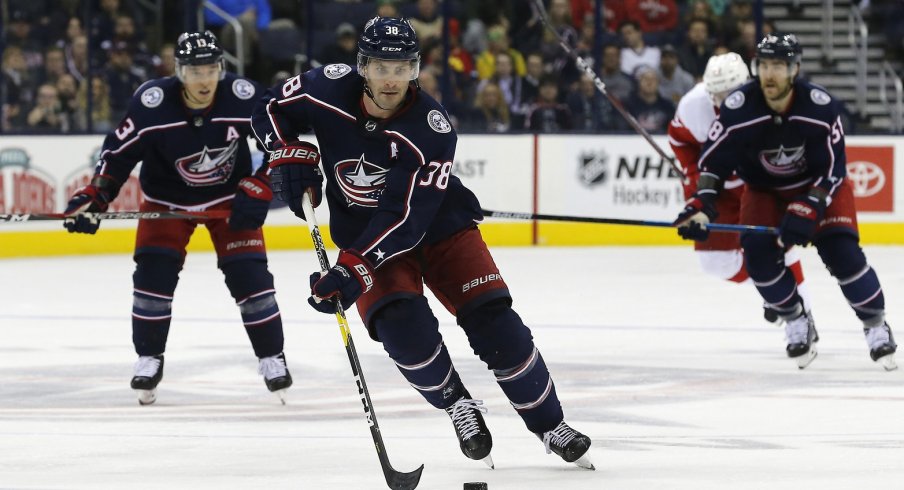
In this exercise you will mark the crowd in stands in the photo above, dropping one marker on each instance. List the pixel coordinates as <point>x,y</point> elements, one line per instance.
<point>507,70</point>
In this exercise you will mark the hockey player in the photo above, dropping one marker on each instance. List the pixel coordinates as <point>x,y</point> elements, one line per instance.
<point>783,136</point>
<point>402,220</point>
<point>190,133</point>
<point>720,254</point>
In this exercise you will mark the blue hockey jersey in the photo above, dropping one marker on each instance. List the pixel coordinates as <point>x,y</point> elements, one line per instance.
<point>389,181</point>
<point>191,159</point>
<point>803,146</point>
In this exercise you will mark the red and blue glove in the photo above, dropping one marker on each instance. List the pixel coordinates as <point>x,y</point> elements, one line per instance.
<point>251,203</point>
<point>802,216</point>
<point>698,213</point>
<point>93,198</point>
<point>351,277</point>
<point>294,170</point>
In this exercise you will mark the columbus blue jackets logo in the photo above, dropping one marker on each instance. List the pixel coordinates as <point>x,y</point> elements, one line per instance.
<point>152,97</point>
<point>243,89</point>
<point>361,182</point>
<point>783,161</point>
<point>337,70</point>
<point>438,122</point>
<point>210,166</point>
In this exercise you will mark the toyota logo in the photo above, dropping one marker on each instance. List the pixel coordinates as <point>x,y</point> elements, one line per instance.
<point>867,178</point>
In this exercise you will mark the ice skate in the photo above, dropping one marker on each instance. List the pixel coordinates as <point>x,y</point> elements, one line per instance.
<point>148,373</point>
<point>276,375</point>
<point>801,335</point>
<point>569,444</point>
<point>473,436</point>
<point>882,346</point>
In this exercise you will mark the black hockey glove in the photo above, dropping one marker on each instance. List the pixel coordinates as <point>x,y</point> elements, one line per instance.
<point>294,170</point>
<point>351,277</point>
<point>251,203</point>
<point>699,211</point>
<point>93,198</point>
<point>802,217</point>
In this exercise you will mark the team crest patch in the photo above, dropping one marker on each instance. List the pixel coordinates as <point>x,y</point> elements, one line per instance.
<point>819,97</point>
<point>152,97</point>
<point>243,89</point>
<point>735,100</point>
<point>438,122</point>
<point>337,70</point>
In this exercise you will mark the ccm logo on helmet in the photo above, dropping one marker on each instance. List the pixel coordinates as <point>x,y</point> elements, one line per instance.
<point>390,48</point>
<point>300,153</point>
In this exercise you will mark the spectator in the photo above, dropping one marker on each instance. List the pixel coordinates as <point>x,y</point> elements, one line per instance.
<point>460,60</point>
<point>54,65</point>
<point>530,84</point>
<point>635,52</point>
<point>556,60</point>
<point>548,115</point>
<point>344,49</point>
<point>67,88</point>
<point>745,43</point>
<point>19,33</point>
<point>617,83</point>
<point>77,62</point>
<point>165,61</point>
<point>123,79</point>
<point>387,8</point>
<point>124,32</point>
<point>738,11</point>
<point>695,52</point>
<point>17,89</point>
<point>47,115</point>
<point>703,10</point>
<point>427,22</point>
<point>653,16</point>
<point>491,113</point>
<point>591,111</point>
<point>674,81</point>
<point>652,111</point>
<point>498,42</point>
<point>101,113</point>
<point>508,81</point>
<point>253,15</point>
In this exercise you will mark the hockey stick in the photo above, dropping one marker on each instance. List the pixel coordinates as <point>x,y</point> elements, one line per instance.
<point>23,217</point>
<point>588,70</point>
<point>395,479</point>
<point>720,227</point>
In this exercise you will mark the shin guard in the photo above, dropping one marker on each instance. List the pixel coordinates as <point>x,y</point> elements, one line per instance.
<point>154,281</point>
<point>251,285</point>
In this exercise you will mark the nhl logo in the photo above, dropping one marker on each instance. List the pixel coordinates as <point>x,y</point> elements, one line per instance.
<point>370,125</point>
<point>152,97</point>
<point>337,70</point>
<point>594,168</point>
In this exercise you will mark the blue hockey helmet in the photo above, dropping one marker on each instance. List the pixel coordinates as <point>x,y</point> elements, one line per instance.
<point>389,38</point>
<point>778,46</point>
<point>198,48</point>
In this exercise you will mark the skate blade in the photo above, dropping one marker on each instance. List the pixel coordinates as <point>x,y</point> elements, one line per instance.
<point>888,362</point>
<point>146,397</point>
<point>282,395</point>
<point>489,462</point>
<point>584,462</point>
<point>805,359</point>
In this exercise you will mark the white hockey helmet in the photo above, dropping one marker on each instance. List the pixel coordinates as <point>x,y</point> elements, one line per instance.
<point>724,73</point>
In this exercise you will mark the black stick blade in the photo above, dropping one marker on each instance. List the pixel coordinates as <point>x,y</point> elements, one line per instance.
<point>403,481</point>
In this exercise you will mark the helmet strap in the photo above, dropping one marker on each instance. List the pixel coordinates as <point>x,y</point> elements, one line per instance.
<point>370,94</point>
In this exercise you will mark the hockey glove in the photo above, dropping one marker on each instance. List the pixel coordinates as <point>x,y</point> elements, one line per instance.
<point>92,198</point>
<point>351,277</point>
<point>802,216</point>
<point>294,170</point>
<point>251,203</point>
<point>699,211</point>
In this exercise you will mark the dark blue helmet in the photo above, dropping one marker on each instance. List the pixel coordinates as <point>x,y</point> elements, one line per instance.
<point>198,48</point>
<point>779,46</point>
<point>389,38</point>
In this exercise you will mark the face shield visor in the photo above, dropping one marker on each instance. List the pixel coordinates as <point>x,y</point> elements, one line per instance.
<point>201,73</point>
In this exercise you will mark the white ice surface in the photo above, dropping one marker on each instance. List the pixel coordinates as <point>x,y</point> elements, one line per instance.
<point>674,375</point>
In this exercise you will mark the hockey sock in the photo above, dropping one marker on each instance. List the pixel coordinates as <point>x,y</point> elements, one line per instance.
<point>859,283</point>
<point>531,392</point>
<point>154,280</point>
<point>251,284</point>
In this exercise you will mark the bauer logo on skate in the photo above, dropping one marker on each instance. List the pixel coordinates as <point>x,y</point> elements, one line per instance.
<point>480,280</point>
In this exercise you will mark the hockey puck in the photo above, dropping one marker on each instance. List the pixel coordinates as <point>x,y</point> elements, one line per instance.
<point>476,485</point>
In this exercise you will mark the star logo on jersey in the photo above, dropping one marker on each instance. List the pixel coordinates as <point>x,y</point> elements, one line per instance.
<point>360,181</point>
<point>210,166</point>
<point>784,161</point>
